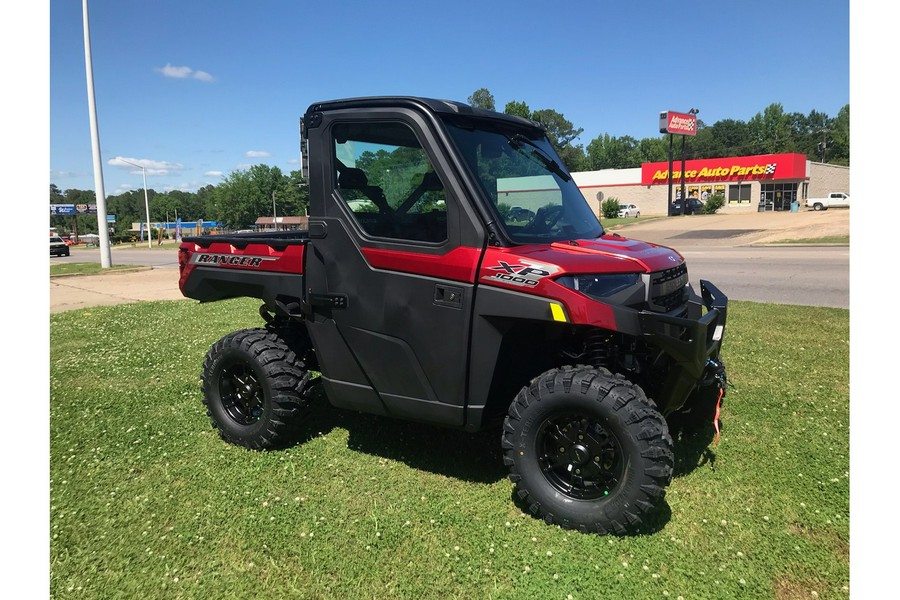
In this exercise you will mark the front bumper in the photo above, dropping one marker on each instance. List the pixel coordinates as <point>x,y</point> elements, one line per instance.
<point>693,342</point>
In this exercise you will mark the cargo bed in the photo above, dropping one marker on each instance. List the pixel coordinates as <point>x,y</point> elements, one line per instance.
<point>268,266</point>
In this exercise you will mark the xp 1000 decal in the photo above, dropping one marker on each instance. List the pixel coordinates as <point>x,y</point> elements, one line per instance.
<point>522,273</point>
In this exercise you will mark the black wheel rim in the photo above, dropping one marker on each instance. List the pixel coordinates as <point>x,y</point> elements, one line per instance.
<point>579,456</point>
<point>241,394</point>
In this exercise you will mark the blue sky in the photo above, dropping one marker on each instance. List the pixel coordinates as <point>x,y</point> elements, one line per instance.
<point>193,90</point>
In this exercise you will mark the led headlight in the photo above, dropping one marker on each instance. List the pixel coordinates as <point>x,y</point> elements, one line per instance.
<point>603,287</point>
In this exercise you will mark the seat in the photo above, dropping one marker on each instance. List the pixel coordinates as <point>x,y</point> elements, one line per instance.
<point>351,178</point>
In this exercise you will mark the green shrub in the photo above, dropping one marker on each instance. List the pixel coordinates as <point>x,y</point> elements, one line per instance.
<point>610,208</point>
<point>713,203</point>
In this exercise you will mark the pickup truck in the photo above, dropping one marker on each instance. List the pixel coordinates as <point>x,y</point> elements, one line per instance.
<point>419,292</point>
<point>833,200</point>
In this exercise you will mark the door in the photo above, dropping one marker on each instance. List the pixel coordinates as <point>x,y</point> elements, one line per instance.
<point>391,267</point>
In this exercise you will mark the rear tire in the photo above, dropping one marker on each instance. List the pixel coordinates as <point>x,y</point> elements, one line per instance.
<point>818,206</point>
<point>256,389</point>
<point>587,450</point>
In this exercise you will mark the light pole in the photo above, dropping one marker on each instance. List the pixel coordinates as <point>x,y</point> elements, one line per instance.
<point>146,201</point>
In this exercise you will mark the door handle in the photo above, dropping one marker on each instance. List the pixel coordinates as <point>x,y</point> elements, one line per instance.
<point>448,295</point>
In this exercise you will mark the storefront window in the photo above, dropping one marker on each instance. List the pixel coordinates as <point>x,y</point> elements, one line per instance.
<point>739,193</point>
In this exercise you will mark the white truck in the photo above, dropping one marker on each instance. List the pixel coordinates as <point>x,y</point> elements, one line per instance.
<point>833,200</point>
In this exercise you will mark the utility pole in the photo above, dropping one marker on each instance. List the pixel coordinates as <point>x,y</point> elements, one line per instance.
<point>102,226</point>
<point>274,225</point>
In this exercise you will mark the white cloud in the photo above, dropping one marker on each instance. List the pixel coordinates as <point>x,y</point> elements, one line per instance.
<point>258,154</point>
<point>213,173</point>
<point>152,167</point>
<point>184,73</point>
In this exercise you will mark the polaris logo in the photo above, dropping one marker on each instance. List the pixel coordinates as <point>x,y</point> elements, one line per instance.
<point>229,260</point>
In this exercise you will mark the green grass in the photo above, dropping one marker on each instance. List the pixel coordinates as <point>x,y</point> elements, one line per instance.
<point>616,223</point>
<point>830,239</point>
<point>73,268</point>
<point>146,501</point>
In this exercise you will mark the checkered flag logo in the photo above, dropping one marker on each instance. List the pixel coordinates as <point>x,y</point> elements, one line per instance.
<point>770,169</point>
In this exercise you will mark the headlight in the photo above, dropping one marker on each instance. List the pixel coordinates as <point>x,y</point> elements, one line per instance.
<point>602,287</point>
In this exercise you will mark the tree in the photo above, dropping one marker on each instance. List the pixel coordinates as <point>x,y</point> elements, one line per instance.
<point>727,137</point>
<point>608,152</point>
<point>517,109</point>
<point>561,133</point>
<point>770,131</point>
<point>840,134</point>
<point>482,98</point>
<point>244,196</point>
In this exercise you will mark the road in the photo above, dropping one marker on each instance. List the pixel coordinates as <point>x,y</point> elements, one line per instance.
<point>803,275</point>
<point>783,274</point>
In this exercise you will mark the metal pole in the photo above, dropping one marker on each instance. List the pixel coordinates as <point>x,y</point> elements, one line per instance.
<point>683,194</point>
<point>146,200</point>
<point>671,141</point>
<point>147,208</point>
<point>105,253</point>
<point>274,225</point>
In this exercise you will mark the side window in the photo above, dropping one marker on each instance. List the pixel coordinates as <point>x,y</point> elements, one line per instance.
<point>388,183</point>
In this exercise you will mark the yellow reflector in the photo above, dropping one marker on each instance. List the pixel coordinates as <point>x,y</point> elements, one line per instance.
<point>558,313</point>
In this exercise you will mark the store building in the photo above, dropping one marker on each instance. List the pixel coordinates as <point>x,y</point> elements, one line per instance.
<point>766,182</point>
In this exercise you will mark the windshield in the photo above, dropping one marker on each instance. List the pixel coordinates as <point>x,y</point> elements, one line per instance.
<point>524,180</point>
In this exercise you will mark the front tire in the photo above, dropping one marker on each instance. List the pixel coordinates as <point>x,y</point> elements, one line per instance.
<point>256,389</point>
<point>587,450</point>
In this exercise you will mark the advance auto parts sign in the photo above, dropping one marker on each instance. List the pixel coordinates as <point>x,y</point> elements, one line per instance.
<point>738,168</point>
<point>677,123</point>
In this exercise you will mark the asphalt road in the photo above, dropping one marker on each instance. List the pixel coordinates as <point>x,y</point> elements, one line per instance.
<point>783,274</point>
<point>802,275</point>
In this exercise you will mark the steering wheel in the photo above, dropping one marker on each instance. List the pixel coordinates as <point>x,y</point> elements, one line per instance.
<point>546,217</point>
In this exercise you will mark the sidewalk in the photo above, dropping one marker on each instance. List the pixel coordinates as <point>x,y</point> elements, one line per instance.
<point>116,287</point>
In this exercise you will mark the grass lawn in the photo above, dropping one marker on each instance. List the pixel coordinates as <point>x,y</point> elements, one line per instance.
<point>74,268</point>
<point>146,501</point>
<point>833,239</point>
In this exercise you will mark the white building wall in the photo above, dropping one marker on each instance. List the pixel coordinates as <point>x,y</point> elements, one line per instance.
<point>825,178</point>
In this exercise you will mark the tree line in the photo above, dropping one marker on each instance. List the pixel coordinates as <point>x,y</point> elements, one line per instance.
<point>245,195</point>
<point>236,202</point>
<point>772,131</point>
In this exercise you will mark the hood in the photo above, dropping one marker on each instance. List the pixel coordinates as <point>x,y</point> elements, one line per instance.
<point>610,253</point>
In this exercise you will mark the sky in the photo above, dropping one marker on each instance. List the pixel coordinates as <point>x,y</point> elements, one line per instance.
<point>194,90</point>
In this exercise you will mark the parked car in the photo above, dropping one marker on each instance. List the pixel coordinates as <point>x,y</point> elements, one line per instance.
<point>833,200</point>
<point>629,210</point>
<point>58,247</point>
<point>67,240</point>
<point>694,205</point>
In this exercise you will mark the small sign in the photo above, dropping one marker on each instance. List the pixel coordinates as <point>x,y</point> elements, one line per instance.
<point>110,218</point>
<point>677,123</point>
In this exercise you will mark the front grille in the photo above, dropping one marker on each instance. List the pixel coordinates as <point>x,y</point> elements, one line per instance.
<point>668,288</point>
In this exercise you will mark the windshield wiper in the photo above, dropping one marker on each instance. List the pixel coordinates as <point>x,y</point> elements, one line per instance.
<point>516,142</point>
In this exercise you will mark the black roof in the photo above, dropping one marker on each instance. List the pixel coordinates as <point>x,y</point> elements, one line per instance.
<point>438,106</point>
